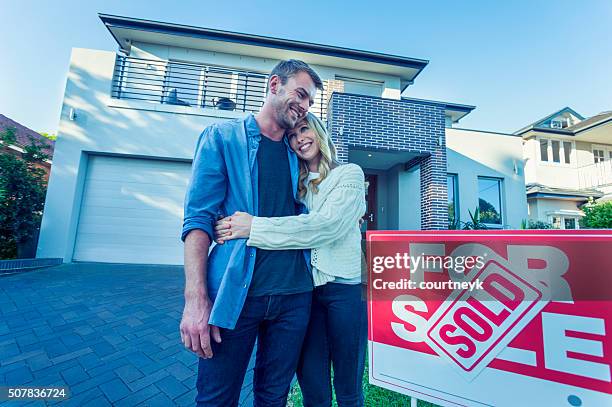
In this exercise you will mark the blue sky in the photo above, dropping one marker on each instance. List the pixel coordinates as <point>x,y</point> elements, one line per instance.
<point>516,61</point>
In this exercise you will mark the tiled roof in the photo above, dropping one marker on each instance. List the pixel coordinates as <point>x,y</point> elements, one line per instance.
<point>590,121</point>
<point>23,132</point>
<point>543,189</point>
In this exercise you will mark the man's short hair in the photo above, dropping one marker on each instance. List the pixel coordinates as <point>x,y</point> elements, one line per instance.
<point>291,67</point>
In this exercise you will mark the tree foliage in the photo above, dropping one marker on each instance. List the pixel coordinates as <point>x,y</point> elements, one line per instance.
<point>597,216</point>
<point>22,192</point>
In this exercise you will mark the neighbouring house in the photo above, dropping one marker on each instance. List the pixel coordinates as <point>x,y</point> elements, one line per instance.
<point>130,121</point>
<point>568,161</point>
<point>23,135</point>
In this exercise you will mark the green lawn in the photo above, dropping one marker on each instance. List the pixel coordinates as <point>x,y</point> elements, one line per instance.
<point>374,396</point>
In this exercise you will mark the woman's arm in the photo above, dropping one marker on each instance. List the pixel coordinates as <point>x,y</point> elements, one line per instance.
<point>341,210</point>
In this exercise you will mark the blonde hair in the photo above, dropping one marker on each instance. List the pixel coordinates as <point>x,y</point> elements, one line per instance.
<point>328,161</point>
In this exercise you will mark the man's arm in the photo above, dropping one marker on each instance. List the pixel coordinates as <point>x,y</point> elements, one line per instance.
<point>195,330</point>
<point>205,194</point>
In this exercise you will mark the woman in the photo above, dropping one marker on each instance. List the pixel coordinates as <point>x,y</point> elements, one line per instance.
<point>335,197</point>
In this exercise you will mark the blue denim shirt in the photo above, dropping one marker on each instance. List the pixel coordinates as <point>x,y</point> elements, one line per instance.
<point>224,180</point>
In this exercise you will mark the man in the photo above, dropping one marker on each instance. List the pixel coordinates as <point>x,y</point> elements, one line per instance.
<point>240,293</point>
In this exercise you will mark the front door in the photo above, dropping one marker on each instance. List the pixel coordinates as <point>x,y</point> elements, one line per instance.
<point>370,217</point>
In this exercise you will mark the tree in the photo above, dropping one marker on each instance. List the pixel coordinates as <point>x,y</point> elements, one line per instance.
<point>597,216</point>
<point>488,213</point>
<point>50,136</point>
<point>22,193</point>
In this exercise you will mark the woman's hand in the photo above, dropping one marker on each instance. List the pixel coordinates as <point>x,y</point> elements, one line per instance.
<point>236,226</point>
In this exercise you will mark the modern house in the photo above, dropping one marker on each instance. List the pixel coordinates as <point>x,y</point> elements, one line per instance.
<point>23,135</point>
<point>130,121</point>
<point>568,161</point>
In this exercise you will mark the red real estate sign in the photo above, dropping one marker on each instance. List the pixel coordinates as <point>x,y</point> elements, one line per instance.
<point>485,318</point>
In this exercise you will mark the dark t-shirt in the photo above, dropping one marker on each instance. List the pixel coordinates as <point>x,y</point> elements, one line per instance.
<point>277,271</point>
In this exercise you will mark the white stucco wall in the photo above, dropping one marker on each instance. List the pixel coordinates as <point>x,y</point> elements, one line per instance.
<point>558,175</point>
<point>471,154</point>
<point>105,125</point>
<point>540,209</point>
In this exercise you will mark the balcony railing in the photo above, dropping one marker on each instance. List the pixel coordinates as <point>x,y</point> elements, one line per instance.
<point>196,85</point>
<point>595,175</point>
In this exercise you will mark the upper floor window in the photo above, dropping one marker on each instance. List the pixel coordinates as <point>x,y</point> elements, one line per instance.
<point>544,149</point>
<point>490,201</point>
<point>555,151</point>
<point>560,123</point>
<point>598,155</point>
<point>567,151</point>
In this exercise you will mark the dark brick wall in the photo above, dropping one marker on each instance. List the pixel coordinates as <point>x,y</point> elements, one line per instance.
<point>360,121</point>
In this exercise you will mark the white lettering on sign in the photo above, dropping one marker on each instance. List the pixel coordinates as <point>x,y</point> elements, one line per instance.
<point>557,343</point>
<point>400,308</point>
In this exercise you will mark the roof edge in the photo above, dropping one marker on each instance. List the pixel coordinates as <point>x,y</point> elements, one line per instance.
<point>114,21</point>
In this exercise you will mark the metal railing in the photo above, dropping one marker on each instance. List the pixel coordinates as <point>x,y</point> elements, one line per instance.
<point>595,175</point>
<point>196,85</point>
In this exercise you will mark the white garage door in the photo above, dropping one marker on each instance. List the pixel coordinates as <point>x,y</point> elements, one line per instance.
<point>132,211</point>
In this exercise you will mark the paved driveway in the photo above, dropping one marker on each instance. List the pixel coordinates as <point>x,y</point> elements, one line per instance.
<point>109,332</point>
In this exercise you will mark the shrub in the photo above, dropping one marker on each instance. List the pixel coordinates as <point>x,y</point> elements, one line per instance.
<point>535,224</point>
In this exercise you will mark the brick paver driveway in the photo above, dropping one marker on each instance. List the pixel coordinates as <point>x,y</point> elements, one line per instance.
<point>109,332</point>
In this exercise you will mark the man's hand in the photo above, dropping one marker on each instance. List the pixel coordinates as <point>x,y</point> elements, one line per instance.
<point>195,330</point>
<point>237,226</point>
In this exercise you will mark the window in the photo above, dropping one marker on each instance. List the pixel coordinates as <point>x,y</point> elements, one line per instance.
<point>564,222</point>
<point>560,123</point>
<point>570,223</point>
<point>567,151</point>
<point>453,198</point>
<point>598,155</point>
<point>544,149</point>
<point>555,150</point>
<point>489,200</point>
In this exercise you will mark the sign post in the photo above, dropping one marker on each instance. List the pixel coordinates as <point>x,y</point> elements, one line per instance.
<point>492,318</point>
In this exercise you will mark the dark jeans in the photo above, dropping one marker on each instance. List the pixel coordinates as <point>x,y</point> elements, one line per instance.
<point>336,336</point>
<point>279,323</point>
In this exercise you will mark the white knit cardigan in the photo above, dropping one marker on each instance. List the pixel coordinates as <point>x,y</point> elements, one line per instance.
<point>330,229</point>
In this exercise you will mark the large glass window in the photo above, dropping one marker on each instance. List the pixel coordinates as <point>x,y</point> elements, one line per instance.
<point>489,200</point>
<point>598,155</point>
<point>453,198</point>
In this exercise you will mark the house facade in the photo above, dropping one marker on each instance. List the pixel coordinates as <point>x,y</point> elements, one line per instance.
<point>130,121</point>
<point>568,161</point>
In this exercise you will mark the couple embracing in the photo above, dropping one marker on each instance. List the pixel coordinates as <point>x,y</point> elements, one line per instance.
<point>286,270</point>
